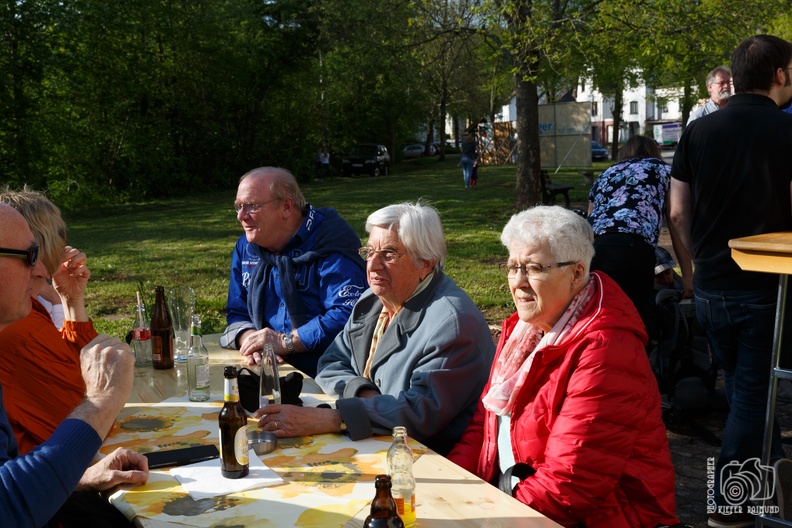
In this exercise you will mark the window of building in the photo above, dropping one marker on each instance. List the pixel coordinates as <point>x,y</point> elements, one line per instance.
<point>595,108</point>
<point>633,107</point>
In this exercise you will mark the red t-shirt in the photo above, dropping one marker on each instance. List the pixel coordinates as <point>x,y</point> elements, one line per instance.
<point>40,374</point>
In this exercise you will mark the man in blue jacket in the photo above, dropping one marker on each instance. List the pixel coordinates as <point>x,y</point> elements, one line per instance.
<point>33,487</point>
<point>308,277</point>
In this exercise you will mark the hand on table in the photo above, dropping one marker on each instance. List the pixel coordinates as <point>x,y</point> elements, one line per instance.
<point>253,343</point>
<point>291,420</point>
<point>122,466</point>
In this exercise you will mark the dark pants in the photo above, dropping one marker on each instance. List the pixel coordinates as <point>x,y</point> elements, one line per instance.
<point>740,325</point>
<point>630,262</point>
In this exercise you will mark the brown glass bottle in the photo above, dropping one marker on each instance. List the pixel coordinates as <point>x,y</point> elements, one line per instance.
<point>161,332</point>
<point>233,429</point>
<point>383,507</point>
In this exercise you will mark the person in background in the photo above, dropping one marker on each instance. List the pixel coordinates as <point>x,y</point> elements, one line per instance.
<point>627,204</point>
<point>308,278</point>
<point>32,342</point>
<point>731,178</point>
<point>665,276</point>
<point>37,488</point>
<point>324,163</point>
<point>719,88</point>
<point>570,420</point>
<point>415,352</point>
<point>468,156</point>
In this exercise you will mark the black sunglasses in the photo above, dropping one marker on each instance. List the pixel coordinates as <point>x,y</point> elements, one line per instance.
<point>30,255</point>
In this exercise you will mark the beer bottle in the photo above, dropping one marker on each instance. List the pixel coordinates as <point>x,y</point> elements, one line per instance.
<point>233,429</point>
<point>383,507</point>
<point>197,364</point>
<point>400,468</point>
<point>161,332</point>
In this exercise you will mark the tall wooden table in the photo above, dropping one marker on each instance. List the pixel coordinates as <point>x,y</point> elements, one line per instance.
<point>448,496</point>
<point>769,253</point>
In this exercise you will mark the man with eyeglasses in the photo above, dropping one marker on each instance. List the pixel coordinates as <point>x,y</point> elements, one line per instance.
<point>306,273</point>
<point>731,178</point>
<point>719,88</point>
<point>33,487</point>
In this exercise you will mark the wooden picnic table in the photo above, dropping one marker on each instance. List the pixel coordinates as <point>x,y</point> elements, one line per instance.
<point>328,479</point>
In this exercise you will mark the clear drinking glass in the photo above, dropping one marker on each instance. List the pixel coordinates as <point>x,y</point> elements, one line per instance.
<point>181,301</point>
<point>269,389</point>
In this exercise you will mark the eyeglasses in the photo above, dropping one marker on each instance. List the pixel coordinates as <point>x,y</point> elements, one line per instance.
<point>250,208</point>
<point>532,270</point>
<point>29,255</point>
<point>388,255</point>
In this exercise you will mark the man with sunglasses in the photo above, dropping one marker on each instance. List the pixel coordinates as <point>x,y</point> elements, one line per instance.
<point>309,276</point>
<point>33,487</point>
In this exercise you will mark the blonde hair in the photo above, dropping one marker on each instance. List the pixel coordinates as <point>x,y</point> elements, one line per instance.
<point>45,222</point>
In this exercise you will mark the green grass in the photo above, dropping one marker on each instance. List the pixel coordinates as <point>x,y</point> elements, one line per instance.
<point>189,240</point>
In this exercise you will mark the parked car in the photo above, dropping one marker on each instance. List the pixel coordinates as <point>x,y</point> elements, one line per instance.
<point>366,158</point>
<point>598,153</point>
<point>415,150</point>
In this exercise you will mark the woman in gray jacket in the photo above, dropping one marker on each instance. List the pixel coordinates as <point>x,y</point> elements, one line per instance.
<point>416,350</point>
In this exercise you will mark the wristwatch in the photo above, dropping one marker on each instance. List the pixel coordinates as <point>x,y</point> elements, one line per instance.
<point>288,340</point>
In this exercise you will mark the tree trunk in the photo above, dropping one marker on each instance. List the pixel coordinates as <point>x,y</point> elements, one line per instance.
<point>529,163</point>
<point>443,113</point>
<point>686,105</point>
<point>618,102</point>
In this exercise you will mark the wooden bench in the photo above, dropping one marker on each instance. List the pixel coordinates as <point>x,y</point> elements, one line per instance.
<point>551,190</point>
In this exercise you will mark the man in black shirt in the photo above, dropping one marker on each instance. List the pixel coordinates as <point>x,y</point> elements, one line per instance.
<point>731,177</point>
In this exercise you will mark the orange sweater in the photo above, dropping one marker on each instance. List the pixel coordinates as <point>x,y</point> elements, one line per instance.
<point>40,374</point>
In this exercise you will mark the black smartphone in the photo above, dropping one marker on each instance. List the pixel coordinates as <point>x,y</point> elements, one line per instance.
<point>181,457</point>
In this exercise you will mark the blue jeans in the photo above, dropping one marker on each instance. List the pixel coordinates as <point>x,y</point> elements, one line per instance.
<point>740,327</point>
<point>467,168</point>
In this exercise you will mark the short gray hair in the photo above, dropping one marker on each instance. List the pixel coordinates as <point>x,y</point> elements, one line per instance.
<point>282,184</point>
<point>723,70</point>
<point>419,228</point>
<point>567,235</point>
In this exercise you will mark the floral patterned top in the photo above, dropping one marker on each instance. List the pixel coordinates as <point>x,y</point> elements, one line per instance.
<point>630,197</point>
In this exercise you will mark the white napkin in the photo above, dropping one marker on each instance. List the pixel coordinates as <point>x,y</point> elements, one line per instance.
<point>203,480</point>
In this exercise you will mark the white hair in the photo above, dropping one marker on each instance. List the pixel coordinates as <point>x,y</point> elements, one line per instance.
<point>418,227</point>
<point>567,235</point>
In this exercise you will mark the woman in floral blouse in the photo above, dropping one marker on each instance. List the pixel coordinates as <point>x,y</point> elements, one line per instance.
<point>626,207</point>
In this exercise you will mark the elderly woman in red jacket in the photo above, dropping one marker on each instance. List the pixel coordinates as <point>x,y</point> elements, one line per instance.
<point>570,420</point>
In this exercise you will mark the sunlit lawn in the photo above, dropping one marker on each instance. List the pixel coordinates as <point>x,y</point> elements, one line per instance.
<point>189,240</point>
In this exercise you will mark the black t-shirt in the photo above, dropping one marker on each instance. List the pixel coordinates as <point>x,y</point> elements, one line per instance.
<point>738,163</point>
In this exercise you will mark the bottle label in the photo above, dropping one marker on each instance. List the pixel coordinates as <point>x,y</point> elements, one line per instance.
<point>202,376</point>
<point>156,348</point>
<point>230,390</point>
<point>241,446</point>
<point>406,506</point>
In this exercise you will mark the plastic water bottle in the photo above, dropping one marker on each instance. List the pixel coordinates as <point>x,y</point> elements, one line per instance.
<point>400,465</point>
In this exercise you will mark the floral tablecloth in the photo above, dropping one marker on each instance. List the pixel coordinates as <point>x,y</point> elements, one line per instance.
<point>328,478</point>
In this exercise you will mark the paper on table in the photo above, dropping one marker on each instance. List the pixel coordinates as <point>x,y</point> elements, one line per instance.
<point>203,480</point>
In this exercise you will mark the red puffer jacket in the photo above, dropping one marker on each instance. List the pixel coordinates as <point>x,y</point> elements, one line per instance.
<point>588,420</point>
